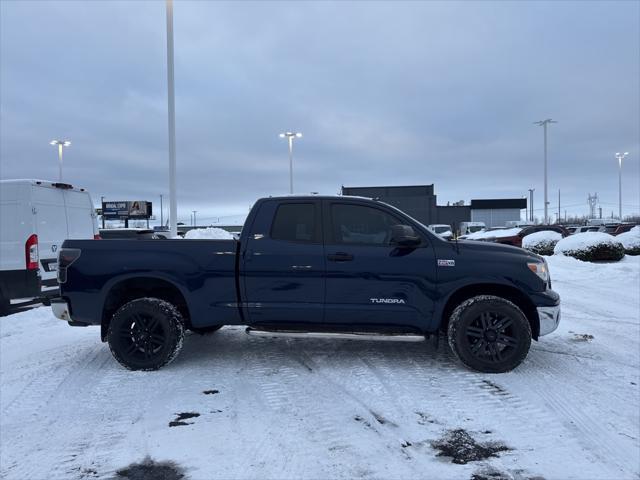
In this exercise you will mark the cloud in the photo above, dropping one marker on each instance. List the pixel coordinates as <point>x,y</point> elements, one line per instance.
<point>385,93</point>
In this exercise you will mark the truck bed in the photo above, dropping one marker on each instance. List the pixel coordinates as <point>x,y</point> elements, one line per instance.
<point>204,271</point>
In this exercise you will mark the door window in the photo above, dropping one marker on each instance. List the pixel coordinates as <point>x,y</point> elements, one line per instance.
<point>295,222</point>
<point>356,224</point>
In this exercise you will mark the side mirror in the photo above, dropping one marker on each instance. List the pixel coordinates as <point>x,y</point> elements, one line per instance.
<point>404,236</point>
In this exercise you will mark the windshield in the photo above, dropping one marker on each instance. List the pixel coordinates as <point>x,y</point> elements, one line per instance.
<point>441,229</point>
<point>475,228</point>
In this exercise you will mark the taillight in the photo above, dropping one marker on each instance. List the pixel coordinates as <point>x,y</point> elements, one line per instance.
<point>31,252</point>
<point>66,257</point>
<point>97,237</point>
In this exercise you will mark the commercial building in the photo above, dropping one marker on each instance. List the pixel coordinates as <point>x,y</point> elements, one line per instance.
<point>420,202</point>
<point>497,212</point>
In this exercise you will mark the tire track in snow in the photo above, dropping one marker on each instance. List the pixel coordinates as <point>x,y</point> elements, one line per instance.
<point>38,411</point>
<point>42,387</point>
<point>599,441</point>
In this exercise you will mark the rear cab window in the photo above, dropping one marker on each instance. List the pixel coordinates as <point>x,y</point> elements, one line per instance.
<point>296,222</point>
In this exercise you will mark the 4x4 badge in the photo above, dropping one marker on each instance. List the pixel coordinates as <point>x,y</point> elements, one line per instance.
<point>446,263</point>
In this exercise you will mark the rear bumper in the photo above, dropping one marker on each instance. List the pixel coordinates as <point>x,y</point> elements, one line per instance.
<point>60,309</point>
<point>549,319</point>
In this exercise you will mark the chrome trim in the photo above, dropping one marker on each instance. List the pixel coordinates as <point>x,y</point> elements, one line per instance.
<point>549,319</point>
<point>60,310</point>
<point>342,336</point>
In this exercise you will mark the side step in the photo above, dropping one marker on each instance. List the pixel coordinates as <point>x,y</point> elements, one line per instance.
<point>339,335</point>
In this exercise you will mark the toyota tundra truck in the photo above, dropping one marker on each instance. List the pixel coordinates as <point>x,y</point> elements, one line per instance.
<point>309,266</point>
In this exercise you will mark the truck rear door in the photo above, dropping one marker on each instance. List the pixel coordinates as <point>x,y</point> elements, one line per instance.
<point>371,283</point>
<point>284,264</point>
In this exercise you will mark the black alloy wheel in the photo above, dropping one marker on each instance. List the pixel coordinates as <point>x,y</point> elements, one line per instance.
<point>146,334</point>
<point>489,334</point>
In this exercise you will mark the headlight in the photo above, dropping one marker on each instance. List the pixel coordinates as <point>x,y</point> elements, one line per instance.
<point>540,269</point>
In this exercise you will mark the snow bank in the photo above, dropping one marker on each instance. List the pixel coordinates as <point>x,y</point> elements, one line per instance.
<point>630,241</point>
<point>211,233</point>
<point>542,242</point>
<point>590,246</point>
<point>507,232</point>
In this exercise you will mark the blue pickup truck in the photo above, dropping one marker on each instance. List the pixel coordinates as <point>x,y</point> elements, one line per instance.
<point>343,267</point>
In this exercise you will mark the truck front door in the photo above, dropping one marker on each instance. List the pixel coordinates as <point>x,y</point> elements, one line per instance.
<point>370,282</point>
<point>284,264</point>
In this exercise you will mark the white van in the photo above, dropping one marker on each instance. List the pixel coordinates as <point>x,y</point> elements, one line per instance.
<point>467,228</point>
<point>441,229</point>
<point>36,216</point>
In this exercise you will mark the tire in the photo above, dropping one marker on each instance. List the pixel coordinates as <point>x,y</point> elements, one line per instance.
<point>206,330</point>
<point>489,334</point>
<point>146,334</point>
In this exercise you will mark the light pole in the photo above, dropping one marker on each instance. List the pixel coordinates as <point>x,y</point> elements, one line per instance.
<point>173,201</point>
<point>543,124</point>
<point>195,224</point>
<point>531,190</point>
<point>161,212</point>
<point>60,144</point>
<point>620,157</point>
<point>290,136</point>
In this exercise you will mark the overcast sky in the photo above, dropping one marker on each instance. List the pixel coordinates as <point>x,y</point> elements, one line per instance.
<point>385,93</point>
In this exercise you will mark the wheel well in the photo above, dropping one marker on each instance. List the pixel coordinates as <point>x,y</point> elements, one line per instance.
<point>510,293</point>
<point>141,287</point>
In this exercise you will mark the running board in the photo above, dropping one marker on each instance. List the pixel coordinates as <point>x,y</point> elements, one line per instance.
<point>342,336</point>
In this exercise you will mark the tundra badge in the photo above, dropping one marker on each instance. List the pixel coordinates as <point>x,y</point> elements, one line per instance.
<point>387,300</point>
<point>446,263</point>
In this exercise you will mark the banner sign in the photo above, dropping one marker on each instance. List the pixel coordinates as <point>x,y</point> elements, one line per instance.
<point>126,210</point>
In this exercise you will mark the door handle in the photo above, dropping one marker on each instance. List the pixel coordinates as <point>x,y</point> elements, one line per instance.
<point>340,257</point>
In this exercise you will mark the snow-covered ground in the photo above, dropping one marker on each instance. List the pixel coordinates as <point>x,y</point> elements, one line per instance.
<point>277,408</point>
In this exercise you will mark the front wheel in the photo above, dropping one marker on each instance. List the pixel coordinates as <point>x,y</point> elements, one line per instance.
<point>146,334</point>
<point>489,334</point>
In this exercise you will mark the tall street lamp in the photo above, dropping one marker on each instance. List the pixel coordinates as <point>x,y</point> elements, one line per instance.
<point>290,136</point>
<point>171,107</point>
<point>60,144</point>
<point>620,157</point>
<point>543,124</point>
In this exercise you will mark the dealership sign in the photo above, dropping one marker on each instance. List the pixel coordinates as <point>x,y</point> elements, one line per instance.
<point>125,210</point>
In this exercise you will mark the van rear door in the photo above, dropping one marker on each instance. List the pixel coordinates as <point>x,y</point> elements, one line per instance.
<point>51,228</point>
<point>80,215</point>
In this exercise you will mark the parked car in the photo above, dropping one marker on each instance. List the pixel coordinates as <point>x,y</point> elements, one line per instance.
<point>623,227</point>
<point>587,228</point>
<point>441,229</point>
<point>311,266</point>
<point>130,233</point>
<point>36,216</point>
<point>516,239</point>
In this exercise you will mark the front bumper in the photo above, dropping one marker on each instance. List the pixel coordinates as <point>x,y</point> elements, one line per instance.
<point>61,309</point>
<point>549,319</point>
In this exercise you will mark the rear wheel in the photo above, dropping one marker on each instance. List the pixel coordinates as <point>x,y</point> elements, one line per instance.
<point>489,334</point>
<point>146,334</point>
